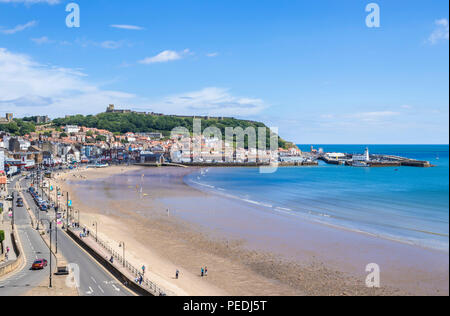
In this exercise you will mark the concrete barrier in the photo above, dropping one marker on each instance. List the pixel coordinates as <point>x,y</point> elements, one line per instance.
<point>106,264</point>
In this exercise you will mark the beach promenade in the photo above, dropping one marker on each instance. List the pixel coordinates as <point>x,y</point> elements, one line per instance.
<point>6,257</point>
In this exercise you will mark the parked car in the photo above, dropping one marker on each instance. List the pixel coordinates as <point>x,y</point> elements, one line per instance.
<point>39,264</point>
<point>19,204</point>
<point>9,198</point>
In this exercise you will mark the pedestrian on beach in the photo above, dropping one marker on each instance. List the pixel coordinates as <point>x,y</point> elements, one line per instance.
<point>177,273</point>
<point>202,272</point>
<point>206,271</point>
<point>143,269</point>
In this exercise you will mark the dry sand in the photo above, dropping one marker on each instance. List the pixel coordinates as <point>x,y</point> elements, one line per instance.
<point>166,243</point>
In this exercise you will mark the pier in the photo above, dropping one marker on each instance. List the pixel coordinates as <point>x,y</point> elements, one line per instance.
<point>367,160</point>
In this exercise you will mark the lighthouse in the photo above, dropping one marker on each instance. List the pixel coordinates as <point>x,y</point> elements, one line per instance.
<point>366,154</point>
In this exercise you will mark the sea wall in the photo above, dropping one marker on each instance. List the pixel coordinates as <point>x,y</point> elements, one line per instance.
<point>108,266</point>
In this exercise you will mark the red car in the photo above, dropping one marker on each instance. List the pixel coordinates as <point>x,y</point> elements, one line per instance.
<point>39,264</point>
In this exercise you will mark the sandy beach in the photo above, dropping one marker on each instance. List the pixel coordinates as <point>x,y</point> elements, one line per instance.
<point>321,261</point>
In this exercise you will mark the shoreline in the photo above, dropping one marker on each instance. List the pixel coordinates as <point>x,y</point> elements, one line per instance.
<point>269,208</point>
<point>255,272</point>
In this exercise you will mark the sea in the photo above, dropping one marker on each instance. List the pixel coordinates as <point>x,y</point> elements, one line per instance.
<point>404,204</point>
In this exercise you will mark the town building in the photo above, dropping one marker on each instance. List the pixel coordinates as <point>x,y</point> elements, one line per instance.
<point>365,157</point>
<point>7,119</point>
<point>69,129</point>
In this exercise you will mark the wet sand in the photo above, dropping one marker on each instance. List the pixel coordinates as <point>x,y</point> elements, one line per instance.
<point>248,250</point>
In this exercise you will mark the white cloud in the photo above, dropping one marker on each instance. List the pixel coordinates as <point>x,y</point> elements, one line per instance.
<point>31,88</point>
<point>165,56</point>
<point>112,44</point>
<point>51,2</point>
<point>105,44</point>
<point>27,87</point>
<point>440,33</point>
<point>42,40</point>
<point>127,27</point>
<point>19,28</point>
<point>215,54</point>
<point>374,116</point>
<point>211,101</point>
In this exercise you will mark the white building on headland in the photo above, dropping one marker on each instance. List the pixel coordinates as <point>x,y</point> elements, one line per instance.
<point>335,156</point>
<point>365,157</point>
<point>69,129</point>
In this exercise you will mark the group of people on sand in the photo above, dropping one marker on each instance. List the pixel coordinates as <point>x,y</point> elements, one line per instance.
<point>203,272</point>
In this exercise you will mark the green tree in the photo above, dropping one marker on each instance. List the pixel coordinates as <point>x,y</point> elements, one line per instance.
<point>100,138</point>
<point>140,123</point>
<point>2,237</point>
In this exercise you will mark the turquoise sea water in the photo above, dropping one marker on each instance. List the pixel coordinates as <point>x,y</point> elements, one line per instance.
<point>405,204</point>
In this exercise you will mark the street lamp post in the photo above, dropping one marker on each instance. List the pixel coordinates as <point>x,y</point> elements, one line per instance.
<point>12,210</point>
<point>122,244</point>
<point>96,230</point>
<point>56,232</point>
<point>50,249</point>
<point>67,209</point>
<point>77,212</point>
<point>50,272</point>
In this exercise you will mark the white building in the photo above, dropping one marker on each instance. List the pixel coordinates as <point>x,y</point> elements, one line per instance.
<point>365,157</point>
<point>24,144</point>
<point>335,156</point>
<point>2,160</point>
<point>71,129</point>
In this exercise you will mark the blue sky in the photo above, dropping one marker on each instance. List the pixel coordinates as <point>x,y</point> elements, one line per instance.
<point>311,68</point>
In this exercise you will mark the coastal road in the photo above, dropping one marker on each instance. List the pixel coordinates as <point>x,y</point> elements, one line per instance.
<point>34,247</point>
<point>94,279</point>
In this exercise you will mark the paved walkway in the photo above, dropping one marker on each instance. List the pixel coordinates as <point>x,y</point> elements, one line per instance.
<point>130,272</point>
<point>5,225</point>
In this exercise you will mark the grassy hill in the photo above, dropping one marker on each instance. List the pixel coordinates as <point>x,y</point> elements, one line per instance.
<point>141,123</point>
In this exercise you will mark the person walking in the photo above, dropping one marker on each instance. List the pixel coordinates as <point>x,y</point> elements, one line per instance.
<point>206,271</point>
<point>177,273</point>
<point>202,272</point>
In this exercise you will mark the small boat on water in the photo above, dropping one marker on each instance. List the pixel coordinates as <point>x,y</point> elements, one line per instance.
<point>359,164</point>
